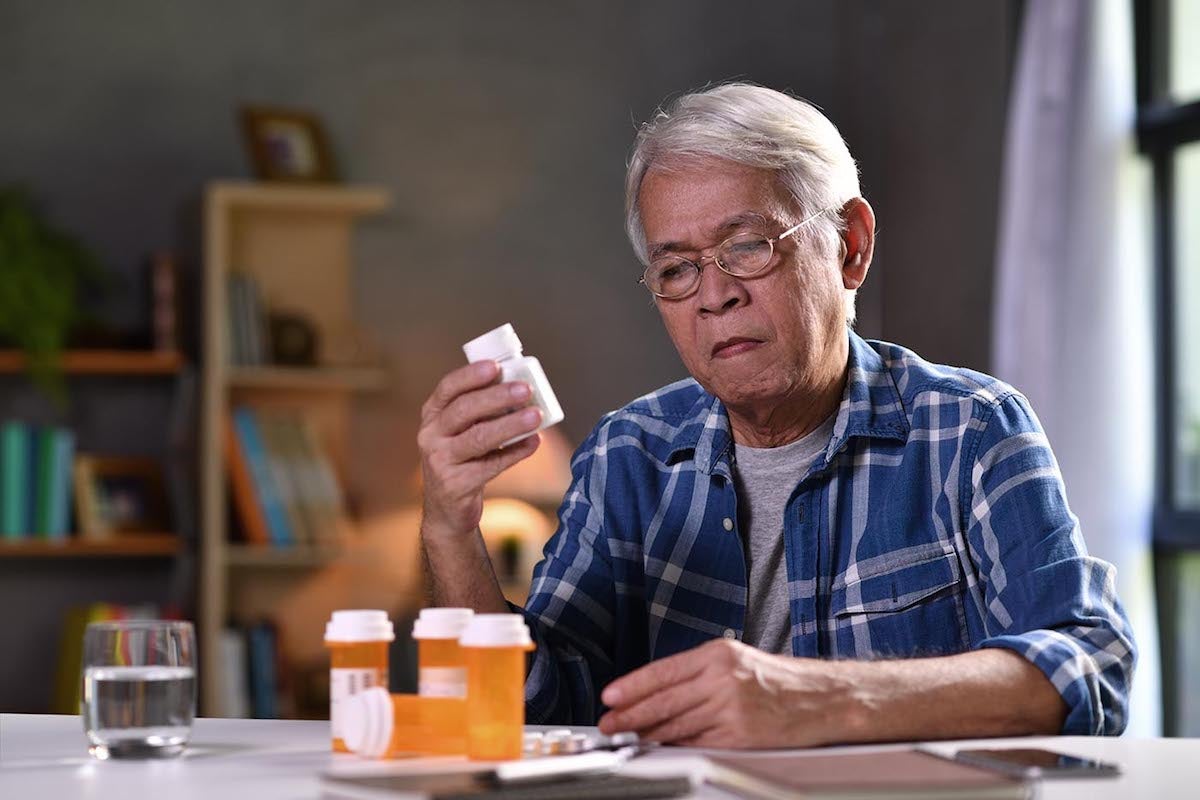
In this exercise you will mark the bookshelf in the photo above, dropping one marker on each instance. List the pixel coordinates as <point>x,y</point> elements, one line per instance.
<point>296,244</point>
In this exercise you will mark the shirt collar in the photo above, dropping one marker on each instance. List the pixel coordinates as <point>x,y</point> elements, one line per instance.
<point>870,407</point>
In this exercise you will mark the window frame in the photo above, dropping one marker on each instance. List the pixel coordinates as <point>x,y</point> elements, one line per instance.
<point>1163,127</point>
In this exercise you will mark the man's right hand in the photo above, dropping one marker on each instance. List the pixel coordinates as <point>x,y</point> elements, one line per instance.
<point>463,424</point>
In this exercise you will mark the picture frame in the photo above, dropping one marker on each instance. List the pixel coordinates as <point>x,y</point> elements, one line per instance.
<point>119,495</point>
<point>287,145</point>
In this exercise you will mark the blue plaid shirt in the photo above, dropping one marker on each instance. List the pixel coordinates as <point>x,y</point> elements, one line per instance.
<point>935,523</point>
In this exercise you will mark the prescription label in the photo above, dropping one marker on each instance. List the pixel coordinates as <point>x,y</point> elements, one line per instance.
<point>442,682</point>
<point>343,683</point>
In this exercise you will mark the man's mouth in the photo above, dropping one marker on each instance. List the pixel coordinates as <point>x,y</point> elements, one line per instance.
<point>727,348</point>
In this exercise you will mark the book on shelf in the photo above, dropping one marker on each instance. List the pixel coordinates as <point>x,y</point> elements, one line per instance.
<point>891,774</point>
<point>256,682</point>
<point>234,661</point>
<point>284,487</point>
<point>246,324</point>
<point>35,481</point>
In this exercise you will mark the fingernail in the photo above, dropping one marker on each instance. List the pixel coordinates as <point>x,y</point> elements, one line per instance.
<point>530,416</point>
<point>486,368</point>
<point>610,696</point>
<point>519,391</point>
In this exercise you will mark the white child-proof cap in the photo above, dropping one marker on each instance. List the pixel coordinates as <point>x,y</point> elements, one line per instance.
<point>496,630</point>
<point>359,625</point>
<point>441,623</point>
<point>366,722</point>
<point>494,345</point>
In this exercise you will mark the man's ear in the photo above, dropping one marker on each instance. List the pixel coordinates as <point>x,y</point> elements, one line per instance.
<point>858,242</point>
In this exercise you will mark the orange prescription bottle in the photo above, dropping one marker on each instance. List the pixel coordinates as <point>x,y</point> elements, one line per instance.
<point>495,646</point>
<point>441,670</point>
<point>381,725</point>
<point>358,659</point>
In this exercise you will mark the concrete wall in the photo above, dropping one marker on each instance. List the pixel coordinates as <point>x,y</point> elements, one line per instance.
<point>502,129</point>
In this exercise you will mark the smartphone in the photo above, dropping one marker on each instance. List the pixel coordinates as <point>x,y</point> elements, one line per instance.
<point>1028,762</point>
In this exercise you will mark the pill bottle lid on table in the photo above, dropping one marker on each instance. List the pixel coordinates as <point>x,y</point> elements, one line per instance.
<point>367,720</point>
<point>497,630</point>
<point>359,625</point>
<point>442,623</point>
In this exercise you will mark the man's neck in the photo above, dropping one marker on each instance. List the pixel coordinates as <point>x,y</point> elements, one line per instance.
<point>784,420</point>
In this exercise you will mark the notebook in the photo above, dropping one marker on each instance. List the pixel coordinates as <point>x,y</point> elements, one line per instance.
<point>892,774</point>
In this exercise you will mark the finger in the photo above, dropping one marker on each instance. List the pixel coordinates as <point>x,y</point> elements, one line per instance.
<point>484,437</point>
<point>689,726</point>
<point>480,405</point>
<point>492,465</point>
<point>655,709</point>
<point>653,677</point>
<point>463,379</point>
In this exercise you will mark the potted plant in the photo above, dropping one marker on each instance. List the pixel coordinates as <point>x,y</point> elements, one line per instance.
<point>43,272</point>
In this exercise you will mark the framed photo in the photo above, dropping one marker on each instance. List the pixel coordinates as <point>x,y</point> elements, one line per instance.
<point>287,145</point>
<point>119,495</point>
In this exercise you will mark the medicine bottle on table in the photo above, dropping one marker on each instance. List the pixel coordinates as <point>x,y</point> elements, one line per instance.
<point>358,659</point>
<point>504,347</point>
<point>441,670</point>
<point>495,646</point>
<point>376,724</point>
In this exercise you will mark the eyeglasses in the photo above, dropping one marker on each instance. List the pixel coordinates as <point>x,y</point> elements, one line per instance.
<point>741,255</point>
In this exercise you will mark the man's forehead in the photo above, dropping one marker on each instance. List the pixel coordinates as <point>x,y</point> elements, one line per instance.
<point>705,200</point>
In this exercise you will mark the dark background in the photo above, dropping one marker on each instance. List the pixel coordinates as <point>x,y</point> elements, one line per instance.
<point>502,130</point>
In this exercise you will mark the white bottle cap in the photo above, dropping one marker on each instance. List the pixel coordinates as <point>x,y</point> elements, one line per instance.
<point>441,623</point>
<point>359,625</point>
<point>366,719</point>
<point>496,630</point>
<point>494,345</point>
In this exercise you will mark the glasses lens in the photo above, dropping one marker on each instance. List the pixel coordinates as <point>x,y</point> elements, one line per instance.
<point>671,277</point>
<point>745,254</point>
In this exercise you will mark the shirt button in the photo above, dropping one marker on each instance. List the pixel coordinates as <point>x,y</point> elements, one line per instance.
<point>730,633</point>
<point>728,523</point>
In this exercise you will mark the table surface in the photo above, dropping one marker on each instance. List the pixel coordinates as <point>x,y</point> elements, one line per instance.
<point>45,756</point>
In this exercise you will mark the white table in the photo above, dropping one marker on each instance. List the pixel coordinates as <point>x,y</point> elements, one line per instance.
<point>44,757</point>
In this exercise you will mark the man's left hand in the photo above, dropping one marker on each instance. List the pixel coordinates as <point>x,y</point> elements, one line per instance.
<point>728,694</point>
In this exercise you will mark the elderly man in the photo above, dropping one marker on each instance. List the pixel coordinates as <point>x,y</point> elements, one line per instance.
<point>815,538</point>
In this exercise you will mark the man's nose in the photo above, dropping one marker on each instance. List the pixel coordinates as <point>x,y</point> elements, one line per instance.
<point>718,291</point>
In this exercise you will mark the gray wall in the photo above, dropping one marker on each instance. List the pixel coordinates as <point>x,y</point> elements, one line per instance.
<point>502,129</point>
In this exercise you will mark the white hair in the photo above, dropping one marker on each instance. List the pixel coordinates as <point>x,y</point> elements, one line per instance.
<point>756,127</point>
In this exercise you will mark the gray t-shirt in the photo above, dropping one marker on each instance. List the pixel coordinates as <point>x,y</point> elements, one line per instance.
<point>764,478</point>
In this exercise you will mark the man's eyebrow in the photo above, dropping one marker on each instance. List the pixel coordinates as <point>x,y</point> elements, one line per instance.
<point>717,234</point>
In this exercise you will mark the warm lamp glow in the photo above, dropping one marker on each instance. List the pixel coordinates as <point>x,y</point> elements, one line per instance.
<point>542,479</point>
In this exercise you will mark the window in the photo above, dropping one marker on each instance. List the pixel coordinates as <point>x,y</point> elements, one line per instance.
<point>1168,85</point>
<point>1168,61</point>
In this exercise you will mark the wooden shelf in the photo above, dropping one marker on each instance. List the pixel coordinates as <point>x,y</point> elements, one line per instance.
<point>332,199</point>
<point>103,362</point>
<point>308,378</point>
<point>273,557</point>
<point>123,545</point>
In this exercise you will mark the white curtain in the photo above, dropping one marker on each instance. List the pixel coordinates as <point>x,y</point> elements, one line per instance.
<point>1072,322</point>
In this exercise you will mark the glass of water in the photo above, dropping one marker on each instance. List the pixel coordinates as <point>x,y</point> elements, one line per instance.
<point>139,688</point>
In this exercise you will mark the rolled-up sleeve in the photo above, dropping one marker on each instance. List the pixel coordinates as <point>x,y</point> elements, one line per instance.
<point>1046,598</point>
<point>570,604</point>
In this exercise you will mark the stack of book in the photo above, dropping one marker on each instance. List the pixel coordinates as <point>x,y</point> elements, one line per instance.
<point>35,481</point>
<point>247,340</point>
<point>283,484</point>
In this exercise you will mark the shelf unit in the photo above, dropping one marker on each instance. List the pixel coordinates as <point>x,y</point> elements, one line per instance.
<point>296,241</point>
<point>104,362</point>
<point>141,545</point>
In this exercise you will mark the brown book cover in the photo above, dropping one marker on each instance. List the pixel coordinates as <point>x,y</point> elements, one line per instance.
<point>860,776</point>
<point>249,510</point>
